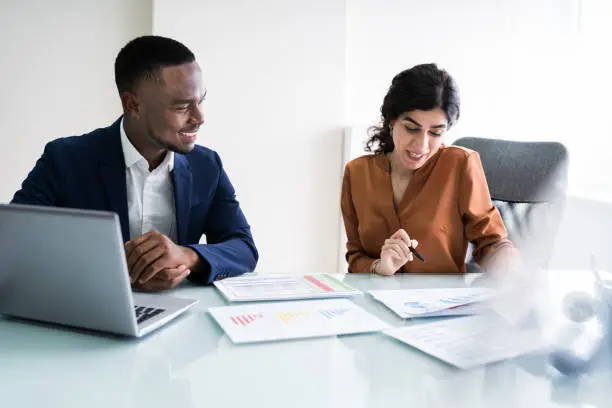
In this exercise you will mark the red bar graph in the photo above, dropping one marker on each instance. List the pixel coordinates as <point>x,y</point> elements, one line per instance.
<point>244,320</point>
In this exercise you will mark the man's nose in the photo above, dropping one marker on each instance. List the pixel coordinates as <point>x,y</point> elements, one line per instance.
<point>197,115</point>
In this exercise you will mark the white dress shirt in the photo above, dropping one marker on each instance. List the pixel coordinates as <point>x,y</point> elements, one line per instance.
<point>150,194</point>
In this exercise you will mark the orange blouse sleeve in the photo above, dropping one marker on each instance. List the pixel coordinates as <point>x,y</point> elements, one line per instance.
<point>357,260</point>
<point>482,221</point>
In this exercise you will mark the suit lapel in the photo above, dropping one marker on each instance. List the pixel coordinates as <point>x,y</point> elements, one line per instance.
<point>112,173</point>
<point>181,177</point>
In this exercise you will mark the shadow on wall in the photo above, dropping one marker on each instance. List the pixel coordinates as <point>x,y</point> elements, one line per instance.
<point>326,207</point>
<point>353,145</point>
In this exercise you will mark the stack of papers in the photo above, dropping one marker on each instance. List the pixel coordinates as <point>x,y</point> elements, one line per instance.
<point>248,288</point>
<point>410,303</point>
<point>294,320</point>
<point>471,341</point>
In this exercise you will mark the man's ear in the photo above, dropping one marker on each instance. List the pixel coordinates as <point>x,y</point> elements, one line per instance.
<point>130,103</point>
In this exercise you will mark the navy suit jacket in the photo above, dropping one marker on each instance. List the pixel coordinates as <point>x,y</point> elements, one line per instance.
<point>88,172</point>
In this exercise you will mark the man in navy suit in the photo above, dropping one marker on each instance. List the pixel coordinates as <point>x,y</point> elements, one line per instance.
<point>146,167</point>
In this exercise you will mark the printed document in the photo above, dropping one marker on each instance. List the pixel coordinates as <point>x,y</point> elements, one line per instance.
<point>293,320</point>
<point>410,303</point>
<point>249,288</point>
<point>472,341</point>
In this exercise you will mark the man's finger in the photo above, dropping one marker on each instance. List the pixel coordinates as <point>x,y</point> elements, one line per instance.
<point>171,273</point>
<point>157,284</point>
<point>131,245</point>
<point>139,251</point>
<point>178,279</point>
<point>152,269</point>
<point>145,261</point>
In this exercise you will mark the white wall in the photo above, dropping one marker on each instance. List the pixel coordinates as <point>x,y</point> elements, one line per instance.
<point>527,69</point>
<point>57,72</point>
<point>274,71</point>
<point>505,56</point>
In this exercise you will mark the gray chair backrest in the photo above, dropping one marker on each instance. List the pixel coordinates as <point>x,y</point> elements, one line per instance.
<point>528,183</point>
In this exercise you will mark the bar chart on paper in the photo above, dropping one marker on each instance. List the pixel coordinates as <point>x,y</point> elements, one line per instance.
<point>410,303</point>
<point>293,320</point>
<point>245,319</point>
<point>251,288</point>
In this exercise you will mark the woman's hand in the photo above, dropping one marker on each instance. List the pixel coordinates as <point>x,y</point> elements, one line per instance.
<point>395,253</point>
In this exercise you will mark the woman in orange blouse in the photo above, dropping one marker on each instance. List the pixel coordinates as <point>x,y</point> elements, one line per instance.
<point>414,190</point>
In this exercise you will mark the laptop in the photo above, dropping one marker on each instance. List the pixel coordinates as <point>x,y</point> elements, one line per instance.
<point>68,267</point>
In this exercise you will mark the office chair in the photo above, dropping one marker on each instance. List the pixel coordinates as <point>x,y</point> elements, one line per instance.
<point>528,183</point>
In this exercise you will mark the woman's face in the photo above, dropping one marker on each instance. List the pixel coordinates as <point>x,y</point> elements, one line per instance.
<point>417,135</point>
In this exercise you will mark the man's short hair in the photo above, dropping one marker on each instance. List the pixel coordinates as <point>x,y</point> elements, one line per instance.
<point>144,57</point>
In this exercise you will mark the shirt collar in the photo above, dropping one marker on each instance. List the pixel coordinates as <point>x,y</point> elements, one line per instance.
<point>133,156</point>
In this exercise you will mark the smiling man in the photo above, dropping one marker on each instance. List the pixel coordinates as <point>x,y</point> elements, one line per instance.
<point>146,167</point>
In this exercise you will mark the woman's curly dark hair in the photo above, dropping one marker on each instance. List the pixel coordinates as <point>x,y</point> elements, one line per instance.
<point>422,87</point>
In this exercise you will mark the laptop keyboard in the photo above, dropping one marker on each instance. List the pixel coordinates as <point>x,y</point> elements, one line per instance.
<point>145,313</point>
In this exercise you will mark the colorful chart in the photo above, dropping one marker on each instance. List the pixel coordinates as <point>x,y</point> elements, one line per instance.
<point>408,303</point>
<point>251,287</point>
<point>293,320</point>
<point>243,320</point>
<point>288,316</point>
<point>333,313</point>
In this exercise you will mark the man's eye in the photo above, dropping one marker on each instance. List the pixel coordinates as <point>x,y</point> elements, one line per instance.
<point>182,108</point>
<point>437,134</point>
